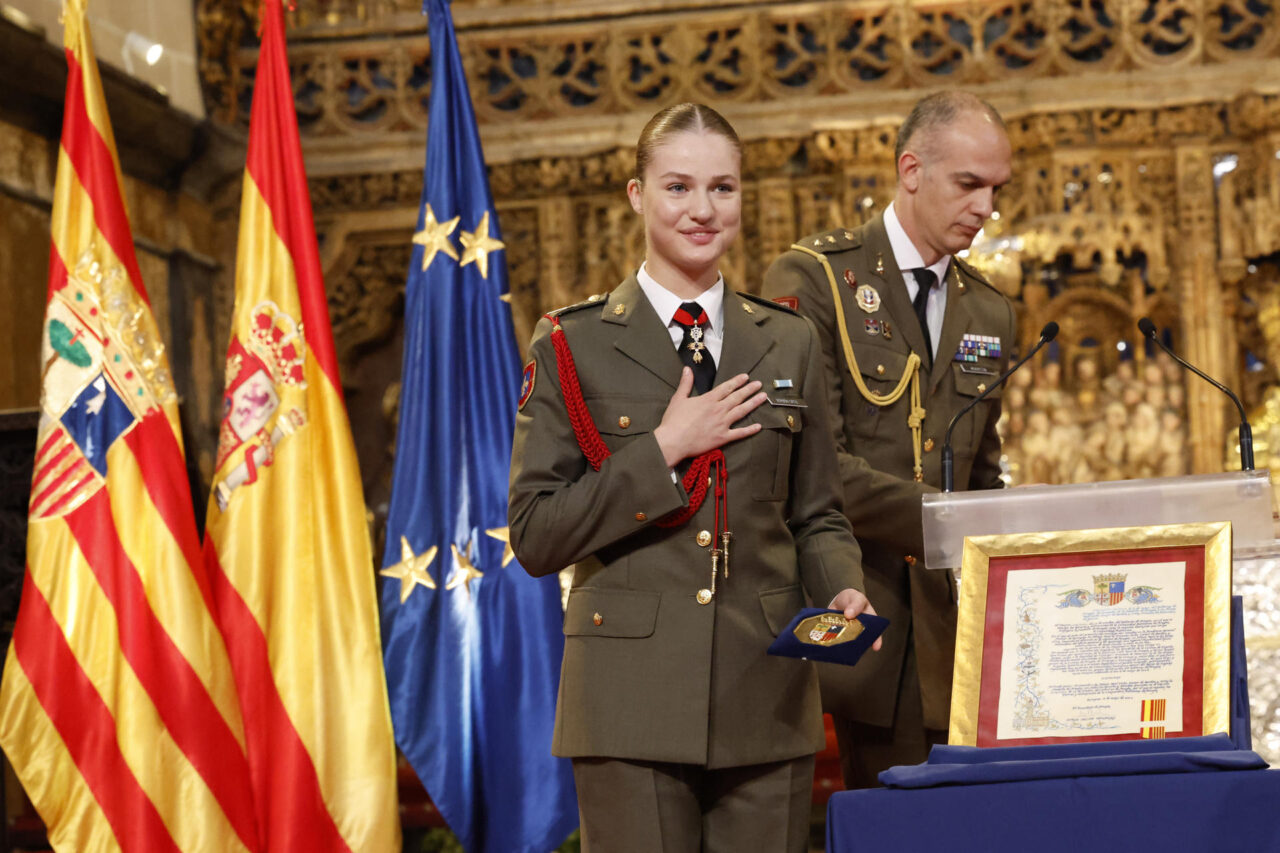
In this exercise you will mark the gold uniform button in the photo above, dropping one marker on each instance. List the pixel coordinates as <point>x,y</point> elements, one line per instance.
<point>704,538</point>
<point>982,386</point>
<point>928,445</point>
<point>640,516</point>
<point>909,560</point>
<point>791,421</point>
<point>880,369</point>
<point>597,620</point>
<point>704,596</point>
<point>624,421</point>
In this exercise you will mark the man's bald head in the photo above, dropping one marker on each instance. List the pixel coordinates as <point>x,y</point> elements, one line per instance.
<point>936,112</point>
<point>953,157</point>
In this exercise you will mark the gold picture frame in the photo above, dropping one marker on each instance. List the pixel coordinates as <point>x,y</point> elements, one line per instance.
<point>1203,550</point>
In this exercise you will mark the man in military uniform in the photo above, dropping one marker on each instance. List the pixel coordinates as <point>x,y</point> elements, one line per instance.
<point>910,334</point>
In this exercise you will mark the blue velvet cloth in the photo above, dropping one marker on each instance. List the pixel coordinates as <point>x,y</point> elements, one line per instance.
<point>945,753</point>
<point>1169,813</point>
<point>1240,721</point>
<point>968,765</point>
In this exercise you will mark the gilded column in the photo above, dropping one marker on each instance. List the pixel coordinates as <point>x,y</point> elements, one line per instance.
<point>1207,337</point>
<point>557,253</point>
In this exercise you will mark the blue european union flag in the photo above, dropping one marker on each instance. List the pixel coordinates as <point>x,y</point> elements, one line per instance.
<point>472,644</point>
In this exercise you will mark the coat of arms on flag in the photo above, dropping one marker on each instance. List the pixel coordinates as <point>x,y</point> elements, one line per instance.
<point>264,372</point>
<point>96,343</point>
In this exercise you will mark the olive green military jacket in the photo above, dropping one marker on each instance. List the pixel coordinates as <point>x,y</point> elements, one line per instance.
<point>881,497</point>
<point>649,673</point>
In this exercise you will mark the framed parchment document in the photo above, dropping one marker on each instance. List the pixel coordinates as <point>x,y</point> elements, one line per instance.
<point>1090,635</point>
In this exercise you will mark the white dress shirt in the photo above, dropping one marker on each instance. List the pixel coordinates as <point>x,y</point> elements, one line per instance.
<point>667,303</point>
<point>907,256</point>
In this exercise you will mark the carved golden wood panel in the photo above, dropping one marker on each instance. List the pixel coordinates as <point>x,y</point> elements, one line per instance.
<point>1113,215</point>
<point>362,66</point>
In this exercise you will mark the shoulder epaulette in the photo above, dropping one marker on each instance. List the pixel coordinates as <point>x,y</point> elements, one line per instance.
<point>768,303</point>
<point>971,271</point>
<point>593,299</point>
<point>828,242</point>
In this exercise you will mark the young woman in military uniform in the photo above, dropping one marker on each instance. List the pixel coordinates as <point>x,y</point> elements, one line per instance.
<point>664,447</point>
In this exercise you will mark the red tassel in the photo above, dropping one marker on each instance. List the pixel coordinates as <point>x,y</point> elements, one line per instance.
<point>596,451</point>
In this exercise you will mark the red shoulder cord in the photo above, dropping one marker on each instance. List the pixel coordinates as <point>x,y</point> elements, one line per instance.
<point>696,479</point>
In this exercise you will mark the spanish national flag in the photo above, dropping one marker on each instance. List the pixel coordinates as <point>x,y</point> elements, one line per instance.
<point>287,543</point>
<point>118,709</point>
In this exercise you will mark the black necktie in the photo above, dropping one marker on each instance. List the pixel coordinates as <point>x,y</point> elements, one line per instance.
<point>925,280</point>
<point>693,346</point>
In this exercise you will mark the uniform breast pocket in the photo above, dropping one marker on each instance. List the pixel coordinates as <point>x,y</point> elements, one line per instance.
<point>881,371</point>
<point>771,459</point>
<point>971,380</point>
<point>621,418</point>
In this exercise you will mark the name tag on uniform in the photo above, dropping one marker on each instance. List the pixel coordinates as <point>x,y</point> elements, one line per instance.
<point>976,368</point>
<point>779,400</point>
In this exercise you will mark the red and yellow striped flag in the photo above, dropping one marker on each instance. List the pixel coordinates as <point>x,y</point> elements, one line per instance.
<point>118,709</point>
<point>287,542</point>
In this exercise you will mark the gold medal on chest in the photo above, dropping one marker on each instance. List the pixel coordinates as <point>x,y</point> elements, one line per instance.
<point>868,299</point>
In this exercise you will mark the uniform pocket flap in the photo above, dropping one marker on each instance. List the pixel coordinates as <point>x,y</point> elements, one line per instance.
<point>626,415</point>
<point>876,362</point>
<point>611,613</point>
<point>971,383</point>
<point>790,418</point>
<point>780,606</point>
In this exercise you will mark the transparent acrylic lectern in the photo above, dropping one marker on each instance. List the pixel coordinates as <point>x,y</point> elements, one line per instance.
<point>1241,497</point>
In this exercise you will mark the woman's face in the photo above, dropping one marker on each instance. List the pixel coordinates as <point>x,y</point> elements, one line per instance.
<point>691,201</point>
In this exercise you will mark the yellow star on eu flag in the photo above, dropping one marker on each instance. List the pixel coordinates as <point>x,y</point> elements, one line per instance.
<point>434,237</point>
<point>411,571</point>
<point>465,572</point>
<point>503,534</point>
<point>476,246</point>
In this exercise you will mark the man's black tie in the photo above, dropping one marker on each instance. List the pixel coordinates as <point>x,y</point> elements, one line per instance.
<point>925,280</point>
<point>693,346</point>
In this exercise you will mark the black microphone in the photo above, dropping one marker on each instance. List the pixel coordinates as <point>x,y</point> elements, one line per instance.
<point>1048,333</point>
<point>1148,328</point>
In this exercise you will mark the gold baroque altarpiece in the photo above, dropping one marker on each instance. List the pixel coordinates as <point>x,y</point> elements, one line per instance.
<point>1147,177</point>
<point>1146,183</point>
